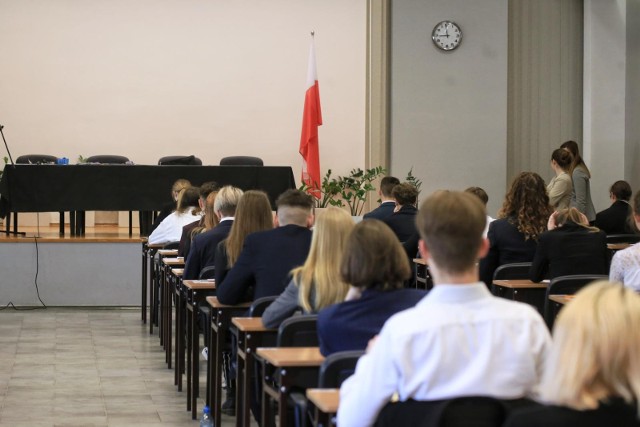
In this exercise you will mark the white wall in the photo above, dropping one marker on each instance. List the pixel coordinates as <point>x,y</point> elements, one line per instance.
<point>604,95</point>
<point>449,110</point>
<point>148,78</point>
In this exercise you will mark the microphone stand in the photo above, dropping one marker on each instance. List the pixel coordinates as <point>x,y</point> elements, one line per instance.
<point>7,231</point>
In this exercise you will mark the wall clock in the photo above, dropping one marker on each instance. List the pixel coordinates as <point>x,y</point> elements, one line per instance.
<point>446,35</point>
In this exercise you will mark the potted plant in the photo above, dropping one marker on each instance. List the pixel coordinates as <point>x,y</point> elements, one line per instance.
<point>355,188</point>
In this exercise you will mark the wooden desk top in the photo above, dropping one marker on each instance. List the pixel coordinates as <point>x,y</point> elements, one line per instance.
<point>325,399</point>
<point>561,299</point>
<point>250,324</point>
<point>520,284</point>
<point>213,302</point>
<point>618,246</point>
<point>197,285</point>
<point>173,261</point>
<point>177,271</point>
<point>168,252</point>
<point>420,261</point>
<point>283,357</point>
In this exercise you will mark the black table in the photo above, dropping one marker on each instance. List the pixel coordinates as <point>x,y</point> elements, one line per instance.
<point>79,188</point>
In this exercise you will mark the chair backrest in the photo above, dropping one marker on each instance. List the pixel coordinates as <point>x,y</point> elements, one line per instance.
<point>108,159</point>
<point>207,273</point>
<point>337,367</point>
<point>623,238</point>
<point>36,159</point>
<point>260,305</point>
<point>566,285</point>
<point>298,331</point>
<point>241,161</point>
<point>474,411</point>
<point>171,245</point>
<point>180,160</point>
<point>513,271</point>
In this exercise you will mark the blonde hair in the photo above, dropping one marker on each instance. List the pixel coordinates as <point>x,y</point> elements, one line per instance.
<point>227,200</point>
<point>596,349</point>
<point>210,217</point>
<point>252,214</point>
<point>320,274</point>
<point>573,215</point>
<point>178,186</point>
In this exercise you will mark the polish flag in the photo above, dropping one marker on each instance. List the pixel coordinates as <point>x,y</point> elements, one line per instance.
<point>311,119</point>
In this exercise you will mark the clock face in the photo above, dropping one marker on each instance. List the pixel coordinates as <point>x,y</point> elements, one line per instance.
<point>447,35</point>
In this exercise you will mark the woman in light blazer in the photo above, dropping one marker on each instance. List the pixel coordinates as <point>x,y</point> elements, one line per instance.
<point>580,176</point>
<point>560,187</point>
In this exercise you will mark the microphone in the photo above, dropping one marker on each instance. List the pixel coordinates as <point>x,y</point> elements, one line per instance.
<point>1,127</point>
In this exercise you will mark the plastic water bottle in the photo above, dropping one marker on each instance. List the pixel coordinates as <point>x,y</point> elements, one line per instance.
<point>207,419</point>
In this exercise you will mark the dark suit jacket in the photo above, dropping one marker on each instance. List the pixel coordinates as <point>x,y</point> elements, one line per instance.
<point>570,249</point>
<point>381,212</point>
<point>266,260</point>
<point>403,222</point>
<point>185,240</point>
<point>613,220</point>
<point>507,245</point>
<point>614,413</point>
<point>203,249</point>
<point>351,324</point>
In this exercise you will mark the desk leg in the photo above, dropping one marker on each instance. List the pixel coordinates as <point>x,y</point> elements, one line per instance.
<point>179,350</point>
<point>161,314</point>
<point>61,227</point>
<point>143,302</point>
<point>152,294</point>
<point>217,385</point>
<point>195,371</point>
<point>282,404</point>
<point>173,283</point>
<point>188,371</point>
<point>243,386</point>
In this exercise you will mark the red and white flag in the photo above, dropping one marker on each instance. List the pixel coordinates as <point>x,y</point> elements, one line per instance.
<point>311,119</point>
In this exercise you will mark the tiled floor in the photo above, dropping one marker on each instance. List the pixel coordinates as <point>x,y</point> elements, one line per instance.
<point>86,367</point>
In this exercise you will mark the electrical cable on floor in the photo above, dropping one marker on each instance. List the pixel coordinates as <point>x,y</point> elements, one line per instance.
<point>10,303</point>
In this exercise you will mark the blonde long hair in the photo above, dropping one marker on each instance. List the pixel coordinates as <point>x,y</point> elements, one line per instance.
<point>319,281</point>
<point>596,349</point>
<point>252,214</point>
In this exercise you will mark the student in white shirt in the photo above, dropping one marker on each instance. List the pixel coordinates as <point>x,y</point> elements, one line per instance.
<point>457,341</point>
<point>188,211</point>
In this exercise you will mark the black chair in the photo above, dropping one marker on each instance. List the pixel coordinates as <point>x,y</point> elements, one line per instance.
<point>241,161</point>
<point>36,159</point>
<point>180,161</point>
<point>260,305</point>
<point>623,238</point>
<point>565,285</point>
<point>513,271</point>
<point>107,159</point>
<point>298,331</point>
<point>207,273</point>
<point>469,411</point>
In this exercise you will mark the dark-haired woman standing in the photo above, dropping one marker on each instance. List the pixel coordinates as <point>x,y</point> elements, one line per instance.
<point>560,187</point>
<point>580,176</point>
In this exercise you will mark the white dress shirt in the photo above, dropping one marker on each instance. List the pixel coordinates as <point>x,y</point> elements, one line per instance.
<point>170,229</point>
<point>625,267</point>
<point>457,341</point>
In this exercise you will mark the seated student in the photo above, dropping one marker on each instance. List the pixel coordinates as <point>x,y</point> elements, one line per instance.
<point>167,209</point>
<point>375,266</point>
<point>206,222</point>
<point>615,219</point>
<point>592,377</point>
<point>625,265</point>
<point>317,284</point>
<point>570,246</point>
<point>267,257</point>
<point>253,214</point>
<point>387,202</point>
<point>484,198</point>
<point>513,237</point>
<point>188,210</point>
<point>459,340</point>
<point>203,248</point>
<point>402,221</point>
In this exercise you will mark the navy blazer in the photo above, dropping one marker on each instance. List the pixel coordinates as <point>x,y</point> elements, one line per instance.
<point>507,245</point>
<point>266,260</point>
<point>351,324</point>
<point>570,249</point>
<point>381,212</point>
<point>185,240</point>
<point>403,222</point>
<point>203,249</point>
<point>613,220</point>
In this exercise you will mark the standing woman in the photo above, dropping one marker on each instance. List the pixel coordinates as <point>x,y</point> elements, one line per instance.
<point>580,175</point>
<point>317,284</point>
<point>560,187</point>
<point>592,377</point>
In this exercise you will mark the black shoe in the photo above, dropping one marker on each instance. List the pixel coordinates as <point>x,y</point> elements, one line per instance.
<point>229,405</point>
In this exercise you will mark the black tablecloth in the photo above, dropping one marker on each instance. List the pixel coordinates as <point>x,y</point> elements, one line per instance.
<point>57,188</point>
